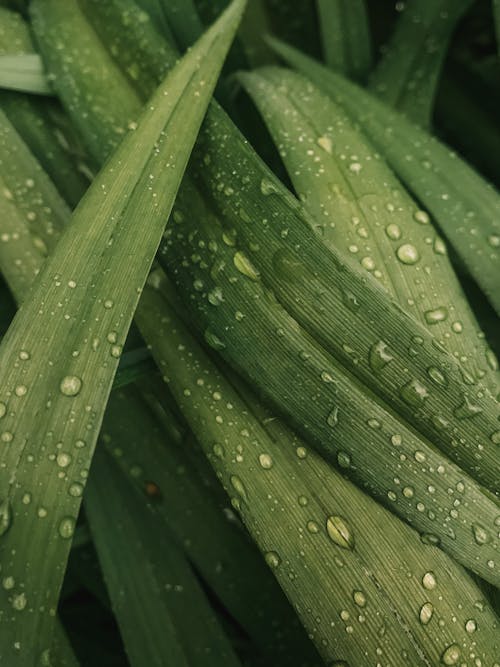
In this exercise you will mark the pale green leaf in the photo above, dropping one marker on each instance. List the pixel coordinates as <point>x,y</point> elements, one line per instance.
<point>464,205</point>
<point>24,72</point>
<point>361,209</point>
<point>52,366</point>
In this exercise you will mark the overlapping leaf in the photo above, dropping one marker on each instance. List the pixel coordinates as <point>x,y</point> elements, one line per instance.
<point>60,354</point>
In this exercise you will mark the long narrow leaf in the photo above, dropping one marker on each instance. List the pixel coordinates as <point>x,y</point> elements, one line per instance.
<point>83,281</point>
<point>185,509</point>
<point>216,543</point>
<point>230,302</point>
<point>346,38</point>
<point>408,73</point>
<point>392,376</point>
<point>163,613</point>
<point>24,73</point>
<point>465,207</point>
<point>322,537</point>
<point>33,117</point>
<point>367,214</point>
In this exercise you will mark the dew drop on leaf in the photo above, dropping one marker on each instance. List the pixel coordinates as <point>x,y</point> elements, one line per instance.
<point>70,385</point>
<point>340,532</point>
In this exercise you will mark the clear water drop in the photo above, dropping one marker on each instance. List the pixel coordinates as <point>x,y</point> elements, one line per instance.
<point>70,385</point>
<point>407,254</point>
<point>379,356</point>
<point>339,532</point>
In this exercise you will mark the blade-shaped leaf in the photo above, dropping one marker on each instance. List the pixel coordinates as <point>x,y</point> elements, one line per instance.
<point>408,73</point>
<point>272,381</point>
<point>464,205</point>
<point>162,612</point>
<point>360,208</point>
<point>345,34</point>
<point>324,539</point>
<point>25,73</point>
<point>71,327</point>
<point>161,468</point>
<point>232,304</point>
<point>33,117</point>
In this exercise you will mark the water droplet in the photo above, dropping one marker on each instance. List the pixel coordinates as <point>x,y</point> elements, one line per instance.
<point>288,267</point>
<point>379,356</point>
<point>333,417</point>
<point>429,581</point>
<point>326,377</point>
<point>272,559</point>
<point>21,390</point>
<point>218,450</point>
<point>268,187</point>
<point>439,246</point>
<point>480,533</point>
<point>408,492</point>
<point>70,385</point>
<point>426,612</point>
<point>213,340</point>
<point>238,486</point>
<point>435,316</point>
<point>471,626</point>
<point>350,300</point>
<point>355,167</point>
<point>491,359</point>
<point>215,296</point>
<point>325,143</point>
<point>19,601</point>
<point>343,459</point>
<point>5,517</point>
<point>494,240</point>
<point>266,461</point>
<point>414,393</point>
<point>359,598</point>
<point>301,452</point>
<point>63,460</point>
<point>393,232</point>
<point>312,527</point>
<point>3,410</point>
<point>66,527</point>
<point>467,410</point>
<point>422,217</point>
<point>75,490</point>
<point>245,266</point>
<point>339,532</point>
<point>451,655</point>
<point>437,376</point>
<point>407,253</point>
<point>430,539</point>
<point>495,438</point>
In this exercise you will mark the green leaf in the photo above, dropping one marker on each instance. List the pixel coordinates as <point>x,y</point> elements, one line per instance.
<point>408,74</point>
<point>228,290</point>
<point>24,72</point>
<point>248,177</point>
<point>361,209</point>
<point>162,612</point>
<point>345,34</point>
<point>464,205</point>
<point>161,468</point>
<point>83,281</point>
<point>326,542</point>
